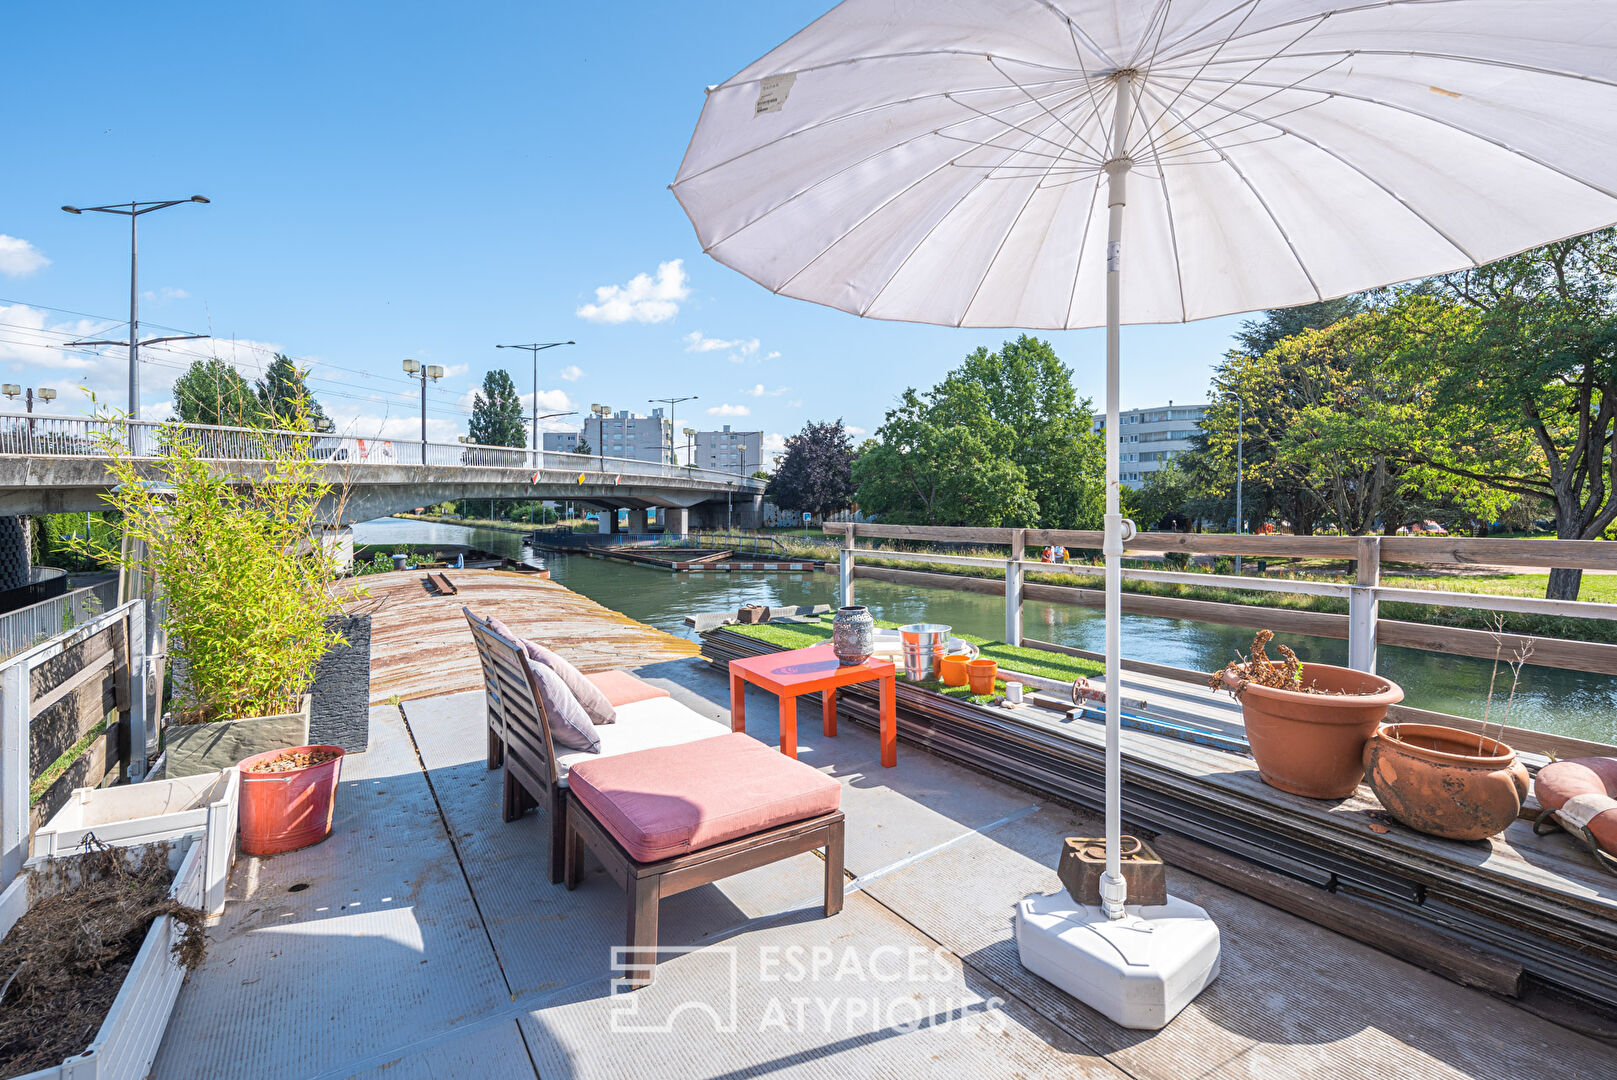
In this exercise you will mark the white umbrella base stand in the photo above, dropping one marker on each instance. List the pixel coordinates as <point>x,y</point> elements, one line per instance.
<point>1138,971</point>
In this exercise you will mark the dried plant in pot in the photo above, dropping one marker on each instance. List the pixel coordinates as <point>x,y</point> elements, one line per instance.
<point>1456,784</point>
<point>245,591</point>
<point>1307,724</point>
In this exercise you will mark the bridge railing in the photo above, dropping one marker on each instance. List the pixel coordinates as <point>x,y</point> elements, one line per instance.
<point>62,436</point>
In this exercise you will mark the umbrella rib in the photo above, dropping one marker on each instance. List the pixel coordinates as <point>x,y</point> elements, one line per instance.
<point>1173,230</point>
<point>1017,127</point>
<point>989,269</point>
<point>1089,83</point>
<point>1364,99</point>
<point>874,211</point>
<point>1072,28</point>
<point>1274,91</point>
<point>1159,19</point>
<point>951,95</point>
<point>1399,199</point>
<point>1281,229</point>
<point>1461,58</point>
<point>1083,246</point>
<point>1226,41</point>
<point>1088,145</point>
<point>1352,10</point>
<point>1182,38</point>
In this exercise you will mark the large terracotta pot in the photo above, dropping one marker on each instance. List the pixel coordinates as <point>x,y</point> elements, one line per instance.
<point>1313,744</point>
<point>291,809</point>
<point>1433,780</point>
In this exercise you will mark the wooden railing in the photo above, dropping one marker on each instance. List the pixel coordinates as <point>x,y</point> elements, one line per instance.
<point>55,696</point>
<point>1362,626</point>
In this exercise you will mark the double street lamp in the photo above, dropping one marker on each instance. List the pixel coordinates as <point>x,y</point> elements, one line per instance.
<point>600,412</point>
<point>424,372</point>
<point>690,440</point>
<point>133,211</point>
<point>673,455</point>
<point>12,391</point>
<point>536,348</point>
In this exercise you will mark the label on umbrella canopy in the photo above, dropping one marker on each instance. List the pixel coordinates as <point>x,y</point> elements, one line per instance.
<point>772,91</point>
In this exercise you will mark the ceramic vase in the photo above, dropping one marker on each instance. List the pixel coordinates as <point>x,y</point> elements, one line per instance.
<point>853,635</point>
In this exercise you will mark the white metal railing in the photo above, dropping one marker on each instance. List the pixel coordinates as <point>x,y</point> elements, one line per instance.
<point>26,627</point>
<point>62,436</point>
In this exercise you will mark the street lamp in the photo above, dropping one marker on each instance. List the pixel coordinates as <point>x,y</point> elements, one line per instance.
<point>424,372</point>
<point>133,211</point>
<point>12,390</point>
<point>671,402</point>
<point>600,412</point>
<point>536,348</point>
<point>690,438</point>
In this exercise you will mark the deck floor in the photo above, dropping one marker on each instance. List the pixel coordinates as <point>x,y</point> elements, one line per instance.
<point>423,939</point>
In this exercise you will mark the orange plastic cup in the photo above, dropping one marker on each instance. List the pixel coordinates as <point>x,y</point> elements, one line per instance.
<point>953,671</point>
<point>981,673</point>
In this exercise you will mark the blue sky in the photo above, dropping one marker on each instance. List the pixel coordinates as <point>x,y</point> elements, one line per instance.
<point>428,181</point>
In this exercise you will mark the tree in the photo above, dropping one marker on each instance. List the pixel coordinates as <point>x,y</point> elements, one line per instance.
<point>1258,336</point>
<point>497,412</point>
<point>583,447</point>
<point>1517,361</point>
<point>816,471</point>
<point>1003,439</point>
<point>1163,499</point>
<point>283,395</point>
<point>213,392</point>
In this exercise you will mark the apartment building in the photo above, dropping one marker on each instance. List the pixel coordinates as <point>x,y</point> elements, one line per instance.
<point>562,442</point>
<point>1148,438</point>
<point>627,435</point>
<point>739,452</point>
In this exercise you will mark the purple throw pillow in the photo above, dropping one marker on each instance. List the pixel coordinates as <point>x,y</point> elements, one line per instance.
<point>589,695</point>
<point>569,724</point>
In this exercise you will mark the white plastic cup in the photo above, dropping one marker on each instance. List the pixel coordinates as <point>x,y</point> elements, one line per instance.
<point>1013,693</point>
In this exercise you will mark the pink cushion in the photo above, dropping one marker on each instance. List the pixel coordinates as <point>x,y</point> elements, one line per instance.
<point>673,800</point>
<point>595,703</point>
<point>621,688</point>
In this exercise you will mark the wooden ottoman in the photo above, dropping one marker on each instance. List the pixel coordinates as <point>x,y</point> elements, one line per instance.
<point>671,818</point>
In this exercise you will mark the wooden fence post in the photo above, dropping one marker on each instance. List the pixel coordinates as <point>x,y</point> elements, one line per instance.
<point>1364,609</point>
<point>1013,588</point>
<point>15,767</point>
<point>845,565</point>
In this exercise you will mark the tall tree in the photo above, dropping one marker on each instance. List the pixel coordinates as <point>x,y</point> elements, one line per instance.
<point>283,396</point>
<point>816,471</point>
<point>1518,362</point>
<point>1258,336</point>
<point>497,412</point>
<point>213,392</point>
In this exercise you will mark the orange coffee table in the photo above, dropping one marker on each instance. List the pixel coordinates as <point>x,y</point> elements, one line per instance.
<point>804,671</point>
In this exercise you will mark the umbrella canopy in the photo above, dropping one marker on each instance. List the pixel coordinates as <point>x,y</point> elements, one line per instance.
<point>941,162</point>
<point>968,163</point>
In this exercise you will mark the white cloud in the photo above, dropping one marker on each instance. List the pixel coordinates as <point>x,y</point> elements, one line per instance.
<point>644,299</point>
<point>797,404</point>
<point>572,373</point>
<point>772,356</point>
<point>741,350</point>
<point>19,258</point>
<point>729,410</point>
<point>452,370</point>
<point>774,443</point>
<point>166,293</point>
<point>759,391</point>
<point>854,429</point>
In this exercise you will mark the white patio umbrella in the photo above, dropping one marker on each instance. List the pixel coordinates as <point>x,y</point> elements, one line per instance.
<point>960,161</point>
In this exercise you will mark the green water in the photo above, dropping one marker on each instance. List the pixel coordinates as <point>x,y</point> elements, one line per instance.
<point>1567,702</point>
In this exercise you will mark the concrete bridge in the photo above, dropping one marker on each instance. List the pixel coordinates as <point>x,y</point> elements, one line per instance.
<point>51,465</point>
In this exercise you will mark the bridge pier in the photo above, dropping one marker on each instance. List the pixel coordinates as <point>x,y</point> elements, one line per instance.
<point>637,523</point>
<point>676,521</point>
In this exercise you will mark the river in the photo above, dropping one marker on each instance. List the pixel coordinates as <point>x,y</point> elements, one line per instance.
<point>1573,703</point>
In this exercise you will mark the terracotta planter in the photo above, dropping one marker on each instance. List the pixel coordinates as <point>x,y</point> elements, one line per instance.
<point>1433,780</point>
<point>1313,744</point>
<point>981,674</point>
<point>953,669</point>
<point>284,811</point>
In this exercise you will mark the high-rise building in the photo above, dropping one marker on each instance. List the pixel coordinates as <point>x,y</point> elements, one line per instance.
<point>728,451</point>
<point>562,442</point>
<point>625,435</point>
<point>1149,438</point>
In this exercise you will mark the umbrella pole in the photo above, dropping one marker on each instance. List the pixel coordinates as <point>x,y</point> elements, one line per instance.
<point>1113,889</point>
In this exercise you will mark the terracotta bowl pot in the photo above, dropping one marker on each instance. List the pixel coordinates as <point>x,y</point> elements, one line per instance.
<point>953,669</point>
<point>1313,744</point>
<point>1434,780</point>
<point>981,673</point>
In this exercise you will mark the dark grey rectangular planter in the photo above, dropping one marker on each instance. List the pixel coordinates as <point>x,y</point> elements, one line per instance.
<point>342,688</point>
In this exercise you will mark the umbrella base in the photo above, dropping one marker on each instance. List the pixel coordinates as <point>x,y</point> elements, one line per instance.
<point>1139,971</point>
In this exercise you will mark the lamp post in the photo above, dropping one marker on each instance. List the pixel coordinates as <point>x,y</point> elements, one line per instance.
<point>671,402</point>
<point>690,440</point>
<point>600,412</point>
<point>133,211</point>
<point>1240,468</point>
<point>535,348</point>
<point>424,372</point>
<point>11,390</point>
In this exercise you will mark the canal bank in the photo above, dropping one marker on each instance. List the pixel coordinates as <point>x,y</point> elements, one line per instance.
<point>1579,704</point>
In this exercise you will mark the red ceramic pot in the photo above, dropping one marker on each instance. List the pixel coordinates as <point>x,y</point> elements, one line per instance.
<point>291,809</point>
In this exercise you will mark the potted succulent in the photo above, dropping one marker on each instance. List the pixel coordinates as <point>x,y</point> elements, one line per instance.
<point>1456,784</point>
<point>1307,724</point>
<point>246,593</point>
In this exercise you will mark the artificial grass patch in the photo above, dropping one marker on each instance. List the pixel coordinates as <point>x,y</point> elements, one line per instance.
<point>1049,665</point>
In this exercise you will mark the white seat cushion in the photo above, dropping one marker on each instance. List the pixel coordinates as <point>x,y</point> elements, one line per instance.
<point>642,726</point>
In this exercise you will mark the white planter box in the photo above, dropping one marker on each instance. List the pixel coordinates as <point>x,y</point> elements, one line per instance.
<point>127,1043</point>
<point>205,806</point>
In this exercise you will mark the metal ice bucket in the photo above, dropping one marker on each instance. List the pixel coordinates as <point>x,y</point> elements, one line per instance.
<point>923,649</point>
